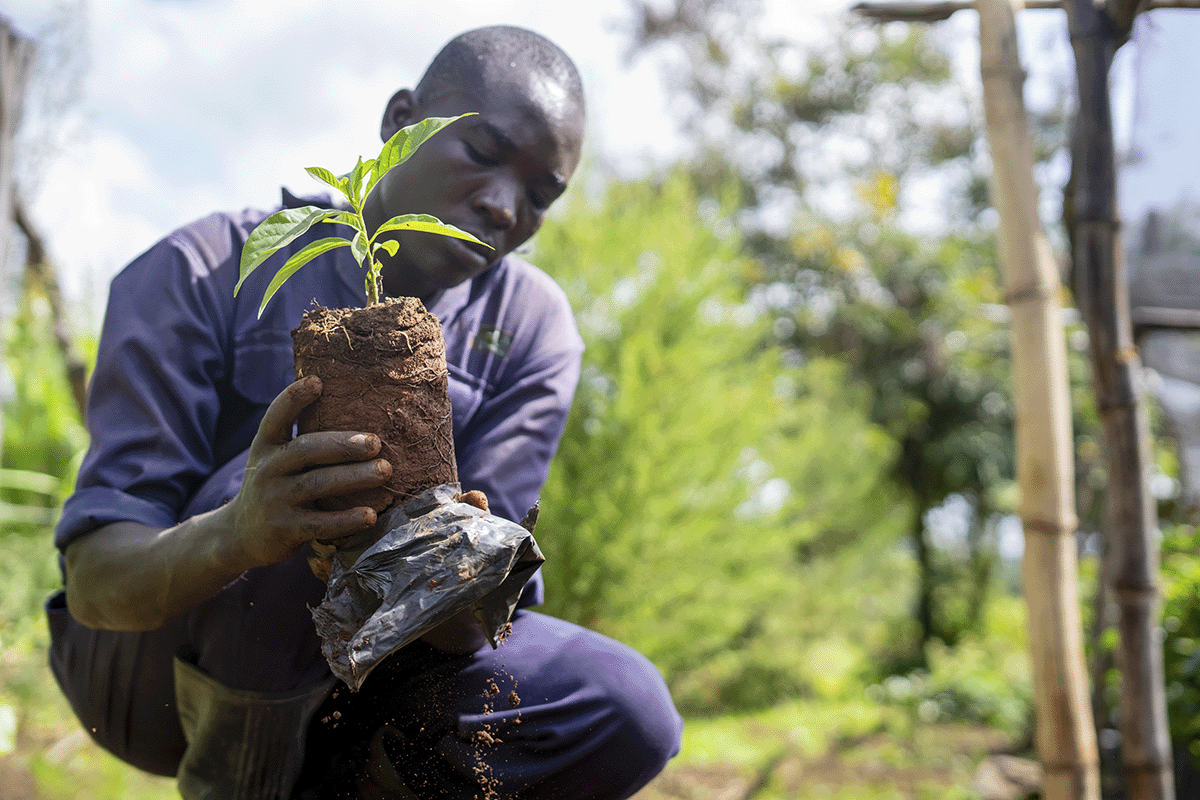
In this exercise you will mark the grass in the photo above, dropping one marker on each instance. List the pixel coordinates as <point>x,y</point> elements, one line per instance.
<point>48,756</point>
<point>824,749</point>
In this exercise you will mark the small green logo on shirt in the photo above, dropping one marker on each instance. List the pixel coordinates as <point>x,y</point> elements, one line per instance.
<point>493,340</point>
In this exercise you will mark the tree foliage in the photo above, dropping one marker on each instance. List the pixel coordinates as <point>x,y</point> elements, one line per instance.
<point>43,433</point>
<point>836,149</point>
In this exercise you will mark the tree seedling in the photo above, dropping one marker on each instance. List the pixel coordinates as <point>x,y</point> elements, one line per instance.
<point>283,227</point>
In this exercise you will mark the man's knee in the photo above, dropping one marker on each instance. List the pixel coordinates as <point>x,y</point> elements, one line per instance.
<point>617,725</point>
<point>649,730</point>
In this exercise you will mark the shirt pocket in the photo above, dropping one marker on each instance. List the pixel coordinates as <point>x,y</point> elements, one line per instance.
<point>466,395</point>
<point>263,366</point>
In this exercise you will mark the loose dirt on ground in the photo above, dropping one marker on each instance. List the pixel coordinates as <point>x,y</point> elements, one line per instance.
<point>15,781</point>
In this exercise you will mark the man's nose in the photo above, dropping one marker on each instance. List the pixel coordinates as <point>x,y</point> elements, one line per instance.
<point>497,204</point>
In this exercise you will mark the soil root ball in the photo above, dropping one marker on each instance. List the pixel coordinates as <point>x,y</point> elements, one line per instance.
<point>383,371</point>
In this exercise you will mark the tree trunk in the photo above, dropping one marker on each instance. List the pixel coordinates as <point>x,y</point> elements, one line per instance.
<point>15,56</point>
<point>925,578</point>
<point>41,270</point>
<point>1065,735</point>
<point>1102,294</point>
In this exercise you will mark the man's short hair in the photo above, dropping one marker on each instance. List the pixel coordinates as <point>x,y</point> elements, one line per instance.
<point>470,60</point>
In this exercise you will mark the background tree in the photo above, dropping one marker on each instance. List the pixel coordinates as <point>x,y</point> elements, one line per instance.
<point>716,503</point>
<point>839,149</point>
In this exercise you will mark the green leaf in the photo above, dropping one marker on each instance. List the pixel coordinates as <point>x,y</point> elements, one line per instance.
<point>403,144</point>
<point>11,513</point>
<point>359,247</point>
<point>428,224</point>
<point>30,481</point>
<point>275,232</point>
<point>356,178</point>
<point>391,246</point>
<point>346,218</point>
<point>298,260</point>
<point>327,177</point>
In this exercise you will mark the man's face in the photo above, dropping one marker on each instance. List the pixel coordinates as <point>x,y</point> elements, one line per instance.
<point>493,175</point>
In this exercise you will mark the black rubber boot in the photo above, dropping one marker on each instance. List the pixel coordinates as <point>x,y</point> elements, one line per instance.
<point>242,745</point>
<point>380,780</point>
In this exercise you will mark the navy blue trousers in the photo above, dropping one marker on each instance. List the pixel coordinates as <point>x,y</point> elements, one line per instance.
<point>557,711</point>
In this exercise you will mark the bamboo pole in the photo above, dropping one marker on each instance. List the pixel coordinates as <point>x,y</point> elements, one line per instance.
<point>1065,734</point>
<point>1103,299</point>
<point>1096,31</point>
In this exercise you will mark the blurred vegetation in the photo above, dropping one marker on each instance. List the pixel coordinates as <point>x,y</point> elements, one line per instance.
<point>789,460</point>
<point>860,174</point>
<point>1181,626</point>
<point>832,149</point>
<point>44,753</point>
<point>704,480</point>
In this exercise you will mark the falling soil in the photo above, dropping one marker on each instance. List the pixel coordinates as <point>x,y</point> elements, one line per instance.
<point>383,371</point>
<point>487,736</point>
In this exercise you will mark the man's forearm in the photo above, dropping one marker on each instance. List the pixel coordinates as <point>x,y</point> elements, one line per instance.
<point>129,576</point>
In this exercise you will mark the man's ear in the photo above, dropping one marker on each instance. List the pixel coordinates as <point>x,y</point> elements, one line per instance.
<point>401,111</point>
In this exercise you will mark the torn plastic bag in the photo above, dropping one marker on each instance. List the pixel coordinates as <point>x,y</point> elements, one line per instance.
<point>435,558</point>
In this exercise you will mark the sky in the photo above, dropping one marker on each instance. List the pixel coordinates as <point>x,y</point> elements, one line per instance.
<point>188,106</point>
<point>1164,114</point>
<point>157,112</point>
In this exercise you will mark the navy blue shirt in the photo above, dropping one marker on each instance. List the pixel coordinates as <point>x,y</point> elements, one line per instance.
<point>185,372</point>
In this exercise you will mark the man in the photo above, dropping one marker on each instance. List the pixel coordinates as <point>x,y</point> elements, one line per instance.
<point>184,639</point>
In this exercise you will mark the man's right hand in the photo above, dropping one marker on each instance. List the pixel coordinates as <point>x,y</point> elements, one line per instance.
<point>276,511</point>
<point>130,576</point>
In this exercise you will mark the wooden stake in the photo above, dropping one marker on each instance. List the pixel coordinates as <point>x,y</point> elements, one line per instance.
<point>1103,298</point>
<point>1065,735</point>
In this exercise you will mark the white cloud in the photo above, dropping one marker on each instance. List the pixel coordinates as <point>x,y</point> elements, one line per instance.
<point>196,106</point>
<point>187,107</point>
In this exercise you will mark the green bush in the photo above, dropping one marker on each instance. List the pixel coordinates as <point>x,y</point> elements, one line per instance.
<point>984,679</point>
<point>717,502</point>
<point>1181,629</point>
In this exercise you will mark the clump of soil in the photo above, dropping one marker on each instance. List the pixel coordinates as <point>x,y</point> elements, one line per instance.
<point>383,371</point>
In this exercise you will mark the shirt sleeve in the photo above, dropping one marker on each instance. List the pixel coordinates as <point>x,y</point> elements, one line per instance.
<point>153,403</point>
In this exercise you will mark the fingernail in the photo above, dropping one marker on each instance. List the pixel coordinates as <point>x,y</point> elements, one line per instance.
<point>368,441</point>
<point>383,468</point>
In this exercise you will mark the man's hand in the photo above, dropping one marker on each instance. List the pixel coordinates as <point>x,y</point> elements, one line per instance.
<point>276,511</point>
<point>129,576</point>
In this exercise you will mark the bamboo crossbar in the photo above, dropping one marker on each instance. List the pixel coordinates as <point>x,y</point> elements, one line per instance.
<point>884,11</point>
